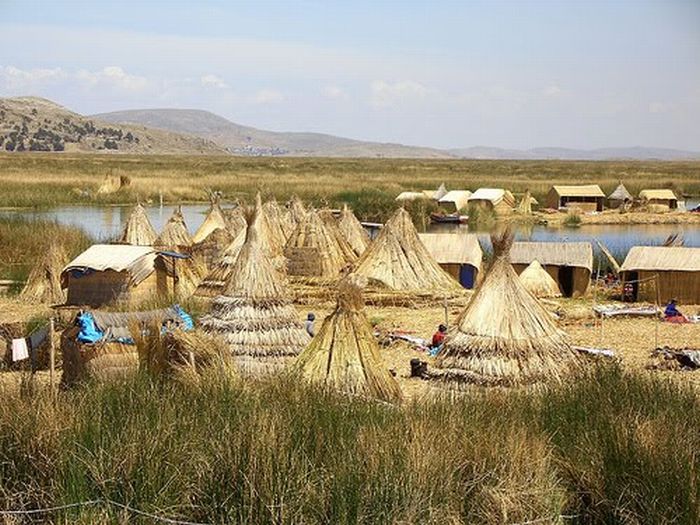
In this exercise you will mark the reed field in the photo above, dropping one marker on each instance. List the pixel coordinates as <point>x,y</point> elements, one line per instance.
<point>612,447</point>
<point>367,185</point>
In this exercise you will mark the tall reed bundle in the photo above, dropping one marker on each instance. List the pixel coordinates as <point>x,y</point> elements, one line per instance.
<point>398,260</point>
<point>333,228</point>
<point>279,225</point>
<point>175,233</point>
<point>212,247</point>
<point>352,230</point>
<point>214,221</point>
<point>113,183</point>
<point>505,336</point>
<point>138,230</point>
<point>538,282</point>
<point>525,205</point>
<point>44,282</point>
<point>254,313</point>
<point>314,251</point>
<point>235,219</point>
<point>297,210</point>
<point>213,282</point>
<point>344,354</point>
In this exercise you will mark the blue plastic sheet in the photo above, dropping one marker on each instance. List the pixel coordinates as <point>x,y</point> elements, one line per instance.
<point>89,333</point>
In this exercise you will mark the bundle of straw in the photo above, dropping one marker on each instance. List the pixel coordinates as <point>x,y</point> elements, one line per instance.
<point>214,221</point>
<point>352,230</point>
<point>138,230</point>
<point>44,282</point>
<point>175,233</point>
<point>538,282</point>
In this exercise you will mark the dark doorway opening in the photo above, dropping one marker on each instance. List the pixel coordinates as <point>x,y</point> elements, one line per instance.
<point>566,280</point>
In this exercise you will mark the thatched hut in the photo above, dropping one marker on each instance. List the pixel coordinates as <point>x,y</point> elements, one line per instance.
<point>44,282</point>
<point>659,200</point>
<point>398,260</point>
<point>504,337</point>
<point>570,264</point>
<point>620,197</point>
<point>455,201</point>
<point>313,249</point>
<point>214,221</point>
<point>498,200</point>
<point>440,192</point>
<point>138,230</point>
<point>344,354</point>
<point>254,314</point>
<point>665,273</point>
<point>586,198</point>
<point>175,233</point>
<point>333,227</point>
<point>458,254</point>
<point>351,228</point>
<point>538,282</point>
<point>109,273</point>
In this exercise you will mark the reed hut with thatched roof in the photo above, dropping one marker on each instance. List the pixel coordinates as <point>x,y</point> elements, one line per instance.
<point>254,314</point>
<point>138,230</point>
<point>351,228</point>
<point>620,197</point>
<point>398,260</point>
<point>331,223</point>
<point>587,197</point>
<point>538,282</point>
<point>313,249</point>
<point>498,200</point>
<point>455,201</point>
<point>662,273</point>
<point>175,234</point>
<point>44,282</point>
<point>570,264</point>
<point>657,201</point>
<point>460,255</point>
<point>235,219</point>
<point>344,354</point>
<point>113,183</point>
<point>214,221</point>
<point>504,337</point>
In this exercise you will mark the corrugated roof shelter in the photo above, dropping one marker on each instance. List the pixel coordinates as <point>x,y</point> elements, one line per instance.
<point>586,198</point>
<point>459,255</point>
<point>499,200</point>
<point>108,273</point>
<point>677,268</point>
<point>569,263</point>
<point>455,200</point>
<point>659,200</point>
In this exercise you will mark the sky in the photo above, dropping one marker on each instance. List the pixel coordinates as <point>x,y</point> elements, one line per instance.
<point>446,74</point>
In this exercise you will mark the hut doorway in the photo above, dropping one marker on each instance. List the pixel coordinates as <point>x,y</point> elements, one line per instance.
<point>466,276</point>
<point>565,276</point>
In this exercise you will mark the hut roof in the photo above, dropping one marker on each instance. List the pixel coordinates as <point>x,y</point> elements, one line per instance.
<point>587,190</point>
<point>450,248</point>
<point>136,260</point>
<point>662,258</point>
<point>441,192</point>
<point>459,198</point>
<point>175,232</point>
<point>344,354</point>
<point>352,230</point>
<point>494,195</point>
<point>620,194</point>
<point>254,313</point>
<point>522,344</point>
<point>399,260</point>
<point>577,254</point>
<point>411,196</point>
<point>214,221</point>
<point>138,230</point>
<point>44,282</point>
<point>657,195</point>
<point>314,248</point>
<point>538,282</point>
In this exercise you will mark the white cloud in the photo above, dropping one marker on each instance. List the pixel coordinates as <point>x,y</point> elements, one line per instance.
<point>213,81</point>
<point>113,77</point>
<point>553,91</point>
<point>16,80</point>
<point>386,94</point>
<point>268,96</point>
<point>334,92</point>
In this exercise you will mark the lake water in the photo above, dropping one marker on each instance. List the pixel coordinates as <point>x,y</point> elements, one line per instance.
<point>105,223</point>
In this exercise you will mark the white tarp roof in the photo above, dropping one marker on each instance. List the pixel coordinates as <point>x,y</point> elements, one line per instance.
<point>137,260</point>
<point>459,198</point>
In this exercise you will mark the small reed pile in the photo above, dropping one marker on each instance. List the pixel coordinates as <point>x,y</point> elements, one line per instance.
<point>113,183</point>
<point>538,282</point>
<point>344,354</point>
<point>44,282</point>
<point>175,233</point>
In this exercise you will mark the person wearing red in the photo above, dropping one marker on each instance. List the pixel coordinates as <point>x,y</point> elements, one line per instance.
<point>438,339</point>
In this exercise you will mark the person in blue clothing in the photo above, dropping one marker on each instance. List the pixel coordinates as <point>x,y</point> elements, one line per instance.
<point>672,313</point>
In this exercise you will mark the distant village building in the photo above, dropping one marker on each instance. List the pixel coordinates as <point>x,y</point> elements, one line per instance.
<point>586,198</point>
<point>455,200</point>
<point>501,201</point>
<point>659,200</point>
<point>458,254</point>
<point>569,263</point>
<point>663,273</point>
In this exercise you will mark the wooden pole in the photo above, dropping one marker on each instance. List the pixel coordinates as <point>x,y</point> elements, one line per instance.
<point>52,359</point>
<point>444,305</point>
<point>658,319</point>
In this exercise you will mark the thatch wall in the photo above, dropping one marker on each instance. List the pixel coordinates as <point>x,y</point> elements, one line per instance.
<point>682,286</point>
<point>98,289</point>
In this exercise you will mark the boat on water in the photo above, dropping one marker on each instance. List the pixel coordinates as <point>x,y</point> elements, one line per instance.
<point>449,218</point>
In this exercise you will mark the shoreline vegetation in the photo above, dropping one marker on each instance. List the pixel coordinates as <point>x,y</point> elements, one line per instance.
<point>369,186</point>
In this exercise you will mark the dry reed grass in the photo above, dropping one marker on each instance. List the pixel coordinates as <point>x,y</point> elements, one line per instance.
<point>538,282</point>
<point>44,282</point>
<point>138,230</point>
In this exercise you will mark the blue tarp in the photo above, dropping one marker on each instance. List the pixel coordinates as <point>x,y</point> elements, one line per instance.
<point>186,318</point>
<point>89,333</point>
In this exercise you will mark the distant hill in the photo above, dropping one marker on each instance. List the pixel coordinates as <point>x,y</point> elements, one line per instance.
<point>245,140</point>
<point>37,124</point>
<point>633,153</point>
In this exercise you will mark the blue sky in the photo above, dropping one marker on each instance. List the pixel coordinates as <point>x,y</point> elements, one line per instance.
<point>513,74</point>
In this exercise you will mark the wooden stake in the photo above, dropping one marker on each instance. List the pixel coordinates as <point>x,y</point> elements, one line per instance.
<point>52,359</point>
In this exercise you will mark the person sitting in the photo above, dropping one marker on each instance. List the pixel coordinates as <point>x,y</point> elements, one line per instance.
<point>673,314</point>
<point>438,340</point>
<point>309,324</point>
